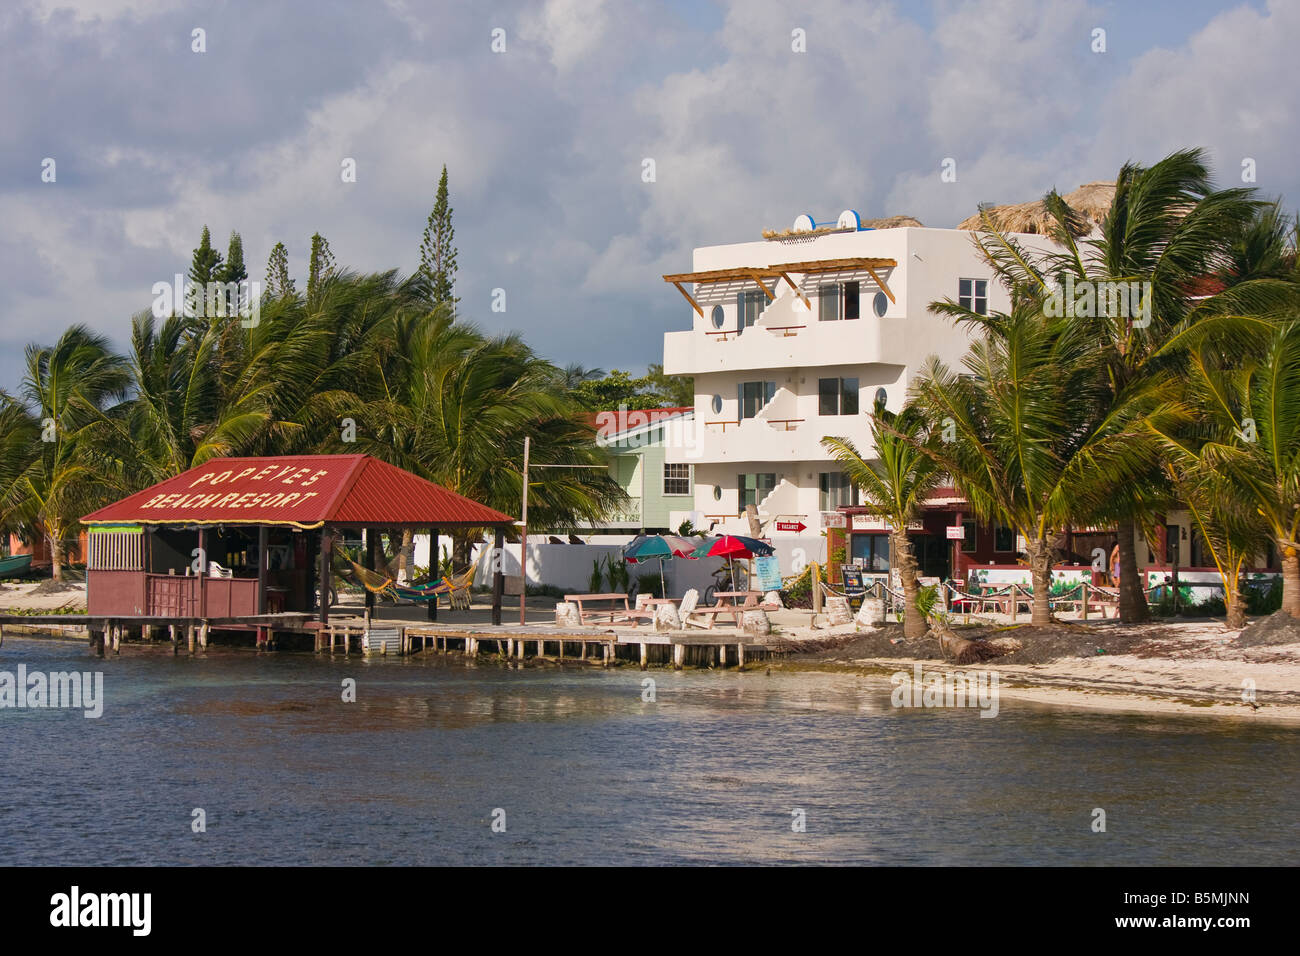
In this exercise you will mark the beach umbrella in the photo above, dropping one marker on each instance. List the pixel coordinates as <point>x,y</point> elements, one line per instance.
<point>731,546</point>
<point>662,546</point>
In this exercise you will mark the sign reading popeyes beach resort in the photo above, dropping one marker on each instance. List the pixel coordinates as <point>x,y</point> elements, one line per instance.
<point>277,487</point>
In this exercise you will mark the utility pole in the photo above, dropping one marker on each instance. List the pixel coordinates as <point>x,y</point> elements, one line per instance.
<point>523,538</point>
<point>523,525</point>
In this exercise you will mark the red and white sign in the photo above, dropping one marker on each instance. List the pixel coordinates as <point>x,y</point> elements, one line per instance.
<point>834,519</point>
<point>795,526</point>
<point>956,532</point>
<point>881,523</point>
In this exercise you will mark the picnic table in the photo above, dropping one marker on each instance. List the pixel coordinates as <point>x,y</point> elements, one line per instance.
<point>729,605</point>
<point>614,614</point>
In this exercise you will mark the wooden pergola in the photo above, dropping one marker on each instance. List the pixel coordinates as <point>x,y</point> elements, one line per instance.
<point>783,270</point>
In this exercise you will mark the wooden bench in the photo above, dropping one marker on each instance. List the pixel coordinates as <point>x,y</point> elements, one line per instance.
<point>732,610</point>
<point>613,614</point>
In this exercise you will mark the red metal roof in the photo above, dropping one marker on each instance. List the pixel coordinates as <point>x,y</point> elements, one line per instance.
<point>303,491</point>
<point>625,419</point>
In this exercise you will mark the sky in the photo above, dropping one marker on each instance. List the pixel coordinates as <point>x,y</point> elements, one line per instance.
<point>753,111</point>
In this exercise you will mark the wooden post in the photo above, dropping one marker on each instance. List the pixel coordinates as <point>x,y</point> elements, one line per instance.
<point>263,565</point>
<point>189,637</point>
<point>541,647</point>
<point>97,642</point>
<point>740,657</point>
<point>609,653</point>
<point>432,606</point>
<point>176,643</point>
<point>326,545</point>
<point>722,655</point>
<point>498,578</point>
<point>645,655</point>
<point>372,539</point>
<point>1083,605</point>
<point>202,573</point>
<point>679,655</point>
<point>203,635</point>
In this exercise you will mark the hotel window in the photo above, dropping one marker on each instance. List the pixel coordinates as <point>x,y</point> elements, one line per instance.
<point>677,479</point>
<point>838,300</point>
<point>837,490</point>
<point>1004,539</point>
<point>750,306</point>
<point>968,542</point>
<point>753,396</point>
<point>880,304</point>
<point>754,488</point>
<point>973,294</point>
<point>837,396</point>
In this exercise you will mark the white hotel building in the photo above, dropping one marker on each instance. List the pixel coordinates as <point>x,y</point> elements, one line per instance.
<point>794,338</point>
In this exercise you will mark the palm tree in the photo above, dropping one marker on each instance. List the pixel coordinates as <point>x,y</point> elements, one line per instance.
<point>1027,447</point>
<point>896,483</point>
<point>457,409</point>
<point>1249,446</point>
<point>1169,229</point>
<point>49,485</point>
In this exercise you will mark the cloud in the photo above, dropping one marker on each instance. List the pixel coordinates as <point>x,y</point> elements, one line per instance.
<point>545,143</point>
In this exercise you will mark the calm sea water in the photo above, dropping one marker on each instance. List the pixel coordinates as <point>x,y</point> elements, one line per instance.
<point>587,773</point>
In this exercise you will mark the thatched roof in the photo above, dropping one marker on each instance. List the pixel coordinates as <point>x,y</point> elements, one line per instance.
<point>888,222</point>
<point>1091,201</point>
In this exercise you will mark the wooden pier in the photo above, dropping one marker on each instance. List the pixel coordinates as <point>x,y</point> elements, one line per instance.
<point>539,642</point>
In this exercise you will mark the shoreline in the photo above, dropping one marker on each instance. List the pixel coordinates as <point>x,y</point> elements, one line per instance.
<point>1064,684</point>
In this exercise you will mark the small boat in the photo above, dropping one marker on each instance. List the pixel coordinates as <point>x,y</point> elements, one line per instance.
<point>15,566</point>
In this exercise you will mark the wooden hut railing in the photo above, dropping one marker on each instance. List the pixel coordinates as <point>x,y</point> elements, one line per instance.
<point>174,595</point>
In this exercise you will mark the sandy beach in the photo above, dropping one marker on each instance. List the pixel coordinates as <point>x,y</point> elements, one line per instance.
<point>1181,666</point>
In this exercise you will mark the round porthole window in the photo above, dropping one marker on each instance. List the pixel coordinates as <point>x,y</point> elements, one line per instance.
<point>717,316</point>
<point>717,404</point>
<point>881,396</point>
<point>717,492</point>
<point>880,303</point>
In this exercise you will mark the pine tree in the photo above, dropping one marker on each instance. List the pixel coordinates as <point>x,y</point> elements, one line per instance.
<point>278,283</point>
<point>205,267</point>
<point>321,266</point>
<point>233,271</point>
<point>437,254</point>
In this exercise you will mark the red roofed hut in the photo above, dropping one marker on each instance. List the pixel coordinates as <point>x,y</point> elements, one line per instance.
<point>272,522</point>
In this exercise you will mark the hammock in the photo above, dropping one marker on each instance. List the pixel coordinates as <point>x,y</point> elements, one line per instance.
<point>372,581</point>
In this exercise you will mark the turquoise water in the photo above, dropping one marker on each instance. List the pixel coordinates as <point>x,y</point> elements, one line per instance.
<point>587,772</point>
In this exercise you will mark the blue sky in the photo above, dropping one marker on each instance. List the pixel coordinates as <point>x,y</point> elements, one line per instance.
<point>545,142</point>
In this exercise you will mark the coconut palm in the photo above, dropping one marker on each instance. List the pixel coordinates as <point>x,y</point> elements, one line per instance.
<point>895,483</point>
<point>1020,434</point>
<point>1169,229</point>
<point>457,410</point>
<point>48,485</point>
<point>1248,444</point>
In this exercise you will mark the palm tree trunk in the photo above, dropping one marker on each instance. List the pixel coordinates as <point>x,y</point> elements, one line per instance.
<point>1132,599</point>
<point>1236,606</point>
<point>1040,573</point>
<point>56,554</point>
<point>914,622</point>
<point>1291,581</point>
<point>406,557</point>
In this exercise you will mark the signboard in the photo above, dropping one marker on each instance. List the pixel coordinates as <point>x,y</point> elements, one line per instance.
<point>956,532</point>
<point>768,571</point>
<point>795,526</point>
<point>834,519</point>
<point>882,524</point>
